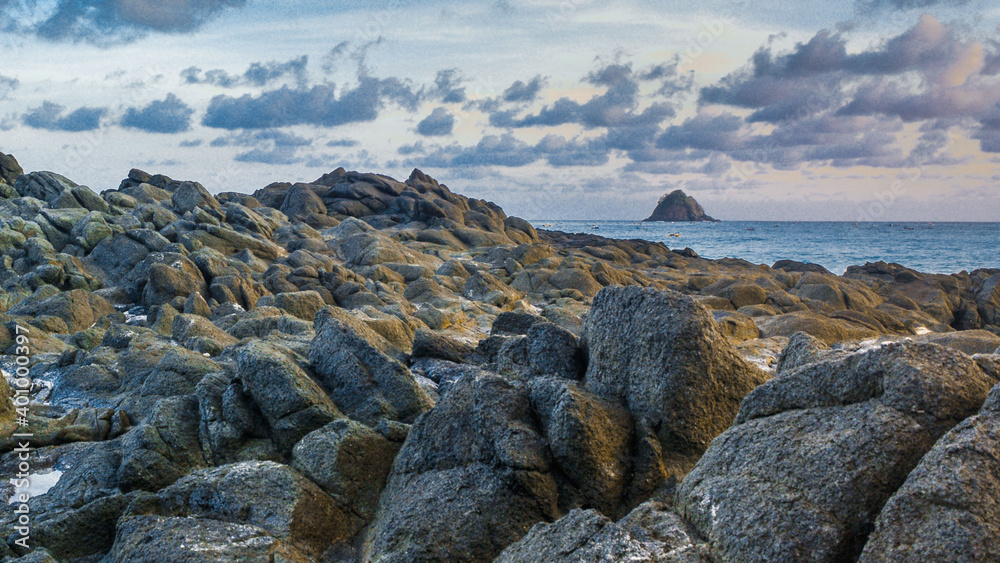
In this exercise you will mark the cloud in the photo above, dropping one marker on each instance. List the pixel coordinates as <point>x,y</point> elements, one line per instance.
<point>258,74</point>
<point>7,85</point>
<point>266,147</point>
<point>342,143</point>
<point>525,92</point>
<point>439,122</point>
<point>50,116</point>
<point>448,87</point>
<point>618,106</point>
<point>509,151</point>
<point>318,105</point>
<point>932,71</point>
<point>107,22</point>
<point>169,115</point>
<point>191,143</point>
<point>871,7</point>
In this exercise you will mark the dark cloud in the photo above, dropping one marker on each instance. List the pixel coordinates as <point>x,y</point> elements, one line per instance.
<point>618,106</point>
<point>448,87</point>
<point>106,22</point>
<point>50,116</point>
<point>346,50</point>
<point>267,147</point>
<point>525,92</point>
<point>7,85</point>
<point>872,7</point>
<point>169,115</point>
<point>258,74</point>
<point>342,143</point>
<point>509,151</point>
<point>440,122</point>
<point>318,105</point>
<point>829,105</point>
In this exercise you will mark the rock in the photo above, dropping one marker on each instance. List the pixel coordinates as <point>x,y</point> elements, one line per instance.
<point>362,380</point>
<point>736,325</point>
<point>554,351</point>
<point>302,201</point>
<point>189,195</point>
<point>430,344</point>
<point>651,532</point>
<point>968,341</point>
<point>302,304</point>
<point>816,452</point>
<point>802,349</point>
<point>9,169</point>
<point>589,439</point>
<point>197,333</point>
<point>659,353</point>
<point>349,461</point>
<point>291,401</point>
<point>79,309</point>
<point>471,478</point>
<point>514,322</point>
<point>273,498</point>
<point>46,186</point>
<point>830,331</point>
<point>677,206</point>
<point>162,276</point>
<point>947,509</point>
<point>745,294</point>
<point>163,448</point>
<point>486,288</point>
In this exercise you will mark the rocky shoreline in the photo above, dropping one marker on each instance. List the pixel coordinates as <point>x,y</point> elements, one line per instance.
<point>362,369</point>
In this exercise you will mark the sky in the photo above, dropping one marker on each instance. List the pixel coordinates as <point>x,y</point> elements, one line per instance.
<point>847,110</point>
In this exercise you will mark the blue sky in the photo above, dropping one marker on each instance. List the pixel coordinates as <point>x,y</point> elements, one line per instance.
<point>864,110</point>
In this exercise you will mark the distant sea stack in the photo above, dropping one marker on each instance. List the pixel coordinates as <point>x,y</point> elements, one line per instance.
<point>678,206</point>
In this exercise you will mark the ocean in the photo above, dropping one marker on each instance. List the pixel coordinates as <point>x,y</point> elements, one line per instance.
<point>926,247</point>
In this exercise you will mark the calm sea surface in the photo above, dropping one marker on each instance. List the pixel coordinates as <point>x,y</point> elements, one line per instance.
<point>926,247</point>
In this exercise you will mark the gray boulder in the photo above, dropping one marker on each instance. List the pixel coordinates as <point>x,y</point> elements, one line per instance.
<point>46,186</point>
<point>349,461</point>
<point>816,452</point>
<point>272,498</point>
<point>661,355</point>
<point>164,447</point>
<point>472,477</point>
<point>589,438</point>
<point>189,195</point>
<point>553,350</point>
<point>947,510</point>
<point>363,381</point>
<point>292,403</point>
<point>651,532</point>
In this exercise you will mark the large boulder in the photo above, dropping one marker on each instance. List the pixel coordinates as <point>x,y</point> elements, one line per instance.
<point>262,498</point>
<point>349,461</point>
<point>78,308</point>
<point>651,532</point>
<point>472,477</point>
<point>947,510</point>
<point>291,401</point>
<point>589,438</point>
<point>816,452</point>
<point>661,355</point>
<point>164,447</point>
<point>351,363</point>
<point>9,169</point>
<point>46,186</point>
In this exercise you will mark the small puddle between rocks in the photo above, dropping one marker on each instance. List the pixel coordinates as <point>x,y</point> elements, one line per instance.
<point>38,484</point>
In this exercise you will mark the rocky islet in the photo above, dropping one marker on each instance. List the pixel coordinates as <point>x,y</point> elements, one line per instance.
<point>362,369</point>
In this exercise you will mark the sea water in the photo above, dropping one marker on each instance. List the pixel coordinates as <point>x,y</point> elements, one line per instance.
<point>925,247</point>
